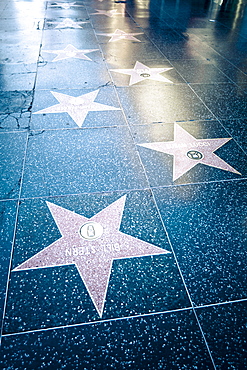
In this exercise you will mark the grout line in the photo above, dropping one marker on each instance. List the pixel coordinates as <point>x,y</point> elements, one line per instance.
<point>189,84</point>
<point>184,283</point>
<point>193,307</point>
<point>13,242</point>
<point>220,303</point>
<point>196,36</point>
<point>123,112</point>
<point>125,190</point>
<point>231,82</point>
<point>17,211</point>
<point>171,246</point>
<point>205,340</point>
<point>103,321</point>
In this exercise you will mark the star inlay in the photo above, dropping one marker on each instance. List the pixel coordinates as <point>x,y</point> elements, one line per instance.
<point>68,23</point>
<point>65,5</point>
<point>188,151</point>
<point>91,245</point>
<point>120,35</point>
<point>108,13</point>
<point>70,52</point>
<point>76,107</point>
<point>141,72</point>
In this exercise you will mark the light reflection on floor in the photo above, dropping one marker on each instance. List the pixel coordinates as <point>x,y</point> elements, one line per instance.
<point>123,184</point>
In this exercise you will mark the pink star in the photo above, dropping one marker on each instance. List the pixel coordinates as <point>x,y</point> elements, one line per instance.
<point>65,5</point>
<point>141,72</point>
<point>92,245</point>
<point>121,35</point>
<point>108,13</point>
<point>188,151</point>
<point>70,52</point>
<point>68,23</point>
<point>77,107</point>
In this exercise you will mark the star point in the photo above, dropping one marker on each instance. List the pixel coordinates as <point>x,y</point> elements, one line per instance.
<point>141,72</point>
<point>76,107</point>
<point>91,244</point>
<point>187,152</point>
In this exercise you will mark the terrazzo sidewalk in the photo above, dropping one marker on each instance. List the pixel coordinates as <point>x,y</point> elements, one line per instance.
<point>123,185</point>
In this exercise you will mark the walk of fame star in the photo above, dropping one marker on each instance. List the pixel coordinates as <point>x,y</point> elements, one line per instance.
<point>70,52</point>
<point>141,72</point>
<point>108,13</point>
<point>120,35</point>
<point>91,245</point>
<point>65,5</point>
<point>188,151</point>
<point>76,107</point>
<point>68,23</point>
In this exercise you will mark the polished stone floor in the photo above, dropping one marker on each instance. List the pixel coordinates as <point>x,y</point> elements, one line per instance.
<point>123,184</point>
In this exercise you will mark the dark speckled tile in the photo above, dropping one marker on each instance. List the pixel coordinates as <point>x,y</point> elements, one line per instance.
<point>238,130</point>
<point>150,24</point>
<point>200,71</point>
<point>57,38</point>
<point>243,86</point>
<point>27,23</point>
<point>50,297</point>
<point>118,54</point>
<point>76,9</point>
<point>88,160</point>
<point>15,109</point>
<point>18,54</point>
<point>168,341</point>
<point>17,38</point>
<point>161,167</point>
<point>236,71</point>
<point>226,101</point>
<point>138,316</point>
<point>14,121</point>
<point>207,228</point>
<point>120,21</point>
<point>15,101</point>
<point>13,147</point>
<point>17,77</point>
<point>178,47</point>
<point>191,48</point>
<point>71,72</point>
<point>226,47</point>
<point>144,105</point>
<point>7,219</point>
<point>225,330</point>
<point>163,36</point>
<point>17,50</point>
